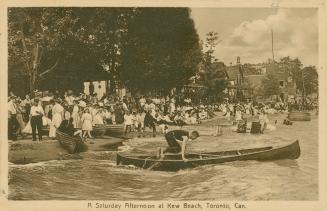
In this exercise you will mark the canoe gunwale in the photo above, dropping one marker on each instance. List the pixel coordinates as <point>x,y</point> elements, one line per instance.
<point>294,146</point>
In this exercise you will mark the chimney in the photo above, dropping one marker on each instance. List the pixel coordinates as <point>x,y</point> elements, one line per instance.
<point>238,60</point>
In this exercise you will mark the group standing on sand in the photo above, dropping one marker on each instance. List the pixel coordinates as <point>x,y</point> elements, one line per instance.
<point>29,115</point>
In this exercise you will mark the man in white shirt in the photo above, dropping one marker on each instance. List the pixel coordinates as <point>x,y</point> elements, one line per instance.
<point>36,119</point>
<point>12,121</point>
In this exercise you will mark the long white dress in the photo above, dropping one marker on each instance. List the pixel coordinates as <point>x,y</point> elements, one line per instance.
<point>56,119</point>
<point>28,128</point>
<point>76,117</point>
<point>57,115</point>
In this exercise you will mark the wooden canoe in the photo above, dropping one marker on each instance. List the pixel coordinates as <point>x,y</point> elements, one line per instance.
<point>73,144</point>
<point>99,130</point>
<point>173,162</point>
<point>116,130</point>
<point>299,116</point>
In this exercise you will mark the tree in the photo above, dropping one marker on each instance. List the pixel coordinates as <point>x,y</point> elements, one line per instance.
<point>292,67</point>
<point>25,41</point>
<point>75,39</point>
<point>309,80</point>
<point>110,28</point>
<point>212,41</point>
<point>161,51</point>
<point>270,85</point>
<point>38,38</point>
<point>212,73</point>
<point>214,78</point>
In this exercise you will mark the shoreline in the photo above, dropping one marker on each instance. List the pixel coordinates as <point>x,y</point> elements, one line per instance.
<point>27,151</point>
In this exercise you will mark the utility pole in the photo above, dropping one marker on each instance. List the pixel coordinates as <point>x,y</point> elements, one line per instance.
<point>272,45</point>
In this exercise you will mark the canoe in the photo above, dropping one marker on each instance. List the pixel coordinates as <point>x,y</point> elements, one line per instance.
<point>45,130</point>
<point>299,116</point>
<point>73,144</point>
<point>116,130</point>
<point>173,162</point>
<point>99,130</point>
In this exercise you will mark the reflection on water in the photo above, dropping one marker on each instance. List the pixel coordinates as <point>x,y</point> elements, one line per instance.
<point>93,178</point>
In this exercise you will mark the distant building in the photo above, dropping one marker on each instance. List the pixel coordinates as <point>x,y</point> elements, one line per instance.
<point>287,85</point>
<point>245,80</point>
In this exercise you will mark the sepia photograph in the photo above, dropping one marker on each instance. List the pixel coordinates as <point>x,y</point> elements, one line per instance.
<point>163,104</point>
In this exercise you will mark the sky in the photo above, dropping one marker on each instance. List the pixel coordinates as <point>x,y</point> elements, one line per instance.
<point>246,32</point>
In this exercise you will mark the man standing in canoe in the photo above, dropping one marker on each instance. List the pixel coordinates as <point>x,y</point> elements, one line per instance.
<point>175,136</point>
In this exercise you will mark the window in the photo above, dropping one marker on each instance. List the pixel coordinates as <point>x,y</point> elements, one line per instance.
<point>281,84</point>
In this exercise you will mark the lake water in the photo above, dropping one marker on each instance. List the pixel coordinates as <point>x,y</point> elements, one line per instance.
<point>96,176</point>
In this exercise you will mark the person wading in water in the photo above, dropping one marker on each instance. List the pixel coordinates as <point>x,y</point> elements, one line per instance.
<point>175,136</point>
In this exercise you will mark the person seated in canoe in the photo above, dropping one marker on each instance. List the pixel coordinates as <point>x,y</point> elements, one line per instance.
<point>175,136</point>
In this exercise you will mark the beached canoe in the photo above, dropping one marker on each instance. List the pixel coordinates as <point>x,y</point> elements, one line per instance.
<point>73,144</point>
<point>116,130</point>
<point>299,116</point>
<point>173,162</point>
<point>99,130</point>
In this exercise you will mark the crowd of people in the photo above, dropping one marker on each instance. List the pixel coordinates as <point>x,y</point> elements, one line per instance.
<point>82,112</point>
<point>78,114</point>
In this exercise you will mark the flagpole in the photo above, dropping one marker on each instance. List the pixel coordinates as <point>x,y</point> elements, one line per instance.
<point>272,44</point>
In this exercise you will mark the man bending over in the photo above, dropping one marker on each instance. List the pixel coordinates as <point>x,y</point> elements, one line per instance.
<point>177,140</point>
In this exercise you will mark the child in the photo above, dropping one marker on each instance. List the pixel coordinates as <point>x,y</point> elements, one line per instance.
<point>136,123</point>
<point>128,122</point>
<point>87,123</point>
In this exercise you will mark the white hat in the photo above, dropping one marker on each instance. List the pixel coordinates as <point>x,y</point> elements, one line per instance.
<point>82,103</point>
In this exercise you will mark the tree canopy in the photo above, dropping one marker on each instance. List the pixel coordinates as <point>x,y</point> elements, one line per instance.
<point>144,48</point>
<point>78,40</point>
<point>162,49</point>
<point>212,73</point>
<point>270,85</point>
<point>309,80</point>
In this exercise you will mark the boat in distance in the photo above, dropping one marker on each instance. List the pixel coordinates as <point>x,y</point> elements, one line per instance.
<point>174,162</point>
<point>299,116</point>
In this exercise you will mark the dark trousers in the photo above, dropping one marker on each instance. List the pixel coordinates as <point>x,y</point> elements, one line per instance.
<point>173,145</point>
<point>13,126</point>
<point>149,121</point>
<point>36,123</point>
